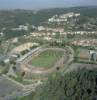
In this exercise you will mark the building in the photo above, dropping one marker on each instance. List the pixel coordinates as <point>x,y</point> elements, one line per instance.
<point>23,47</point>
<point>15,40</point>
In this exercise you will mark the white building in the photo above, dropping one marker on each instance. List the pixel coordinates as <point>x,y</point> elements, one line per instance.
<point>41,28</point>
<point>15,40</point>
<point>6,61</point>
<point>77,14</point>
<point>1,34</point>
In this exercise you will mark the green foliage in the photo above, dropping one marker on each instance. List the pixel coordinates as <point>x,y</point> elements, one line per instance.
<point>24,52</point>
<point>70,36</point>
<point>33,47</point>
<point>10,33</point>
<point>5,70</point>
<point>29,97</point>
<point>72,86</point>
<point>57,36</point>
<point>46,58</point>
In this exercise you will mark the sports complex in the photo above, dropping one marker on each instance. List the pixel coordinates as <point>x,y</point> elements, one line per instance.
<point>42,60</point>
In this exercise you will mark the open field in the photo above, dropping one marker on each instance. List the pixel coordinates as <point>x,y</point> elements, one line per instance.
<point>46,58</point>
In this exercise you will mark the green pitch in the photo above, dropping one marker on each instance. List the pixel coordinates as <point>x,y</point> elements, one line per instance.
<point>46,58</point>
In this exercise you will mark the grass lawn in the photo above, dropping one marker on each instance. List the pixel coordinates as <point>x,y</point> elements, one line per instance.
<point>46,58</point>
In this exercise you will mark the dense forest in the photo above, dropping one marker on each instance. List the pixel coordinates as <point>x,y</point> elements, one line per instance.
<point>77,85</point>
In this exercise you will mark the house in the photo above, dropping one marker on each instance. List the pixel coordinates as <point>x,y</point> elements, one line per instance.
<point>6,61</point>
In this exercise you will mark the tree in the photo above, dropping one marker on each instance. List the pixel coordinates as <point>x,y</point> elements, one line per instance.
<point>72,86</point>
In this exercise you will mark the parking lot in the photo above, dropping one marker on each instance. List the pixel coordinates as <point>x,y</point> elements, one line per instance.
<point>8,88</point>
<point>82,54</point>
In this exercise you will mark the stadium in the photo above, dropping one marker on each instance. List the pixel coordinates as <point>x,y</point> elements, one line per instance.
<point>41,60</point>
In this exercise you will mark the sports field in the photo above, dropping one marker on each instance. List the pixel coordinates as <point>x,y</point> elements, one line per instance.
<point>46,58</point>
